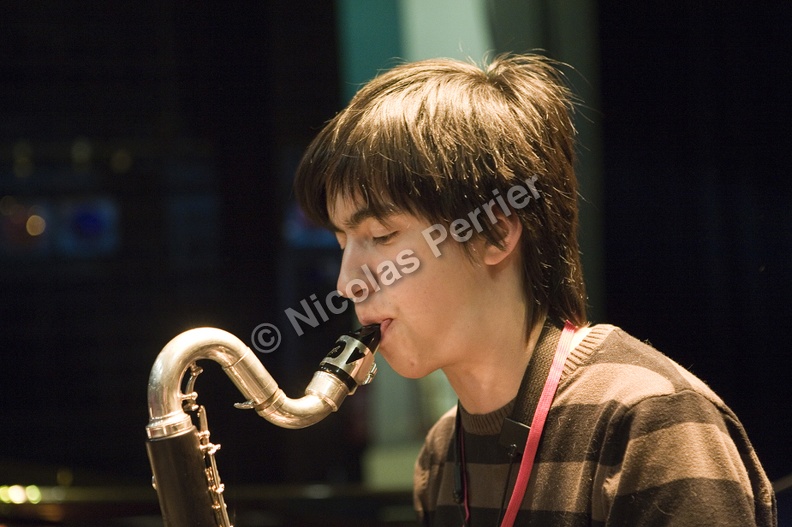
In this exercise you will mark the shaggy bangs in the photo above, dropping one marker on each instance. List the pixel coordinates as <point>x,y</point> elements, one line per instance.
<point>435,139</point>
<point>351,163</point>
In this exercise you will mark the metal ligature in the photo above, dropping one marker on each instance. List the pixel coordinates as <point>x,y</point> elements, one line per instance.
<point>182,456</point>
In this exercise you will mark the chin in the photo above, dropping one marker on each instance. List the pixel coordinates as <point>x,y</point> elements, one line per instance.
<point>407,370</point>
<point>411,374</point>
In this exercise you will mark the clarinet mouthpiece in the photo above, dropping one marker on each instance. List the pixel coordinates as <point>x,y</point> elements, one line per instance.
<point>369,336</point>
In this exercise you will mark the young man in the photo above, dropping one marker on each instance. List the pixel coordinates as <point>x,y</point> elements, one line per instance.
<point>452,192</point>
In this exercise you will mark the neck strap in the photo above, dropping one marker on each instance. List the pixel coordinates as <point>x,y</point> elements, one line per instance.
<point>537,423</point>
<point>514,432</point>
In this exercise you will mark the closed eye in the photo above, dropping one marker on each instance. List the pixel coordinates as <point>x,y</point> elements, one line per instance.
<point>379,240</point>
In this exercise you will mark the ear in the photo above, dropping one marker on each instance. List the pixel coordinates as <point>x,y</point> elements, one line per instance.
<point>510,229</point>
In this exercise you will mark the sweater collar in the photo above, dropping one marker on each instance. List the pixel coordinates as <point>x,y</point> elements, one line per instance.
<point>491,423</point>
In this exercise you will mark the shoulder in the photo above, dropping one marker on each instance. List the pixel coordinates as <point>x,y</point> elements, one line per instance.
<point>665,436</point>
<point>627,393</point>
<point>615,366</point>
<point>620,385</point>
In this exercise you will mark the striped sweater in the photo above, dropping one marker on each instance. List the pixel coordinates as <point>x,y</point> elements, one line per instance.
<point>632,439</point>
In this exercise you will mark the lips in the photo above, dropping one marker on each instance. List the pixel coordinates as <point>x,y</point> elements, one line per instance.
<point>384,326</point>
<point>383,323</point>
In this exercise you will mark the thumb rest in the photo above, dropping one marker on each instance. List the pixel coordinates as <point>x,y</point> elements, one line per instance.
<point>181,455</point>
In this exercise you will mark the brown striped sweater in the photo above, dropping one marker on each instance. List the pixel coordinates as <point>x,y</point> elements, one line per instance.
<point>632,439</point>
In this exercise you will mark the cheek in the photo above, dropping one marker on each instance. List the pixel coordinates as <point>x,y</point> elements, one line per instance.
<point>426,298</point>
<point>417,281</point>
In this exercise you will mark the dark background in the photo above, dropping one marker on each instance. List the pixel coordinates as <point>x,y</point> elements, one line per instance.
<point>698,222</point>
<point>213,105</point>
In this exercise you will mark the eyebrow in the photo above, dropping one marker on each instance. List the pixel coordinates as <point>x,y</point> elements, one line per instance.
<point>354,221</point>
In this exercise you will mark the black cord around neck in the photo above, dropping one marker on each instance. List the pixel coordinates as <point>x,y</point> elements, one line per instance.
<point>461,476</point>
<point>460,470</point>
<point>513,455</point>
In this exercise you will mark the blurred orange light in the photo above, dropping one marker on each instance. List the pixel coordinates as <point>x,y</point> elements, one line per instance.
<point>36,225</point>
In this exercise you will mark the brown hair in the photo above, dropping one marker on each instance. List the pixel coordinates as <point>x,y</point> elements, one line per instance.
<point>440,137</point>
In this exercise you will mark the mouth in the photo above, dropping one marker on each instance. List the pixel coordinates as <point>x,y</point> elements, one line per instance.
<point>384,323</point>
<point>384,326</point>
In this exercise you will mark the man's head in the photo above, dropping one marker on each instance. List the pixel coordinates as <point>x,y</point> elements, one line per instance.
<point>439,139</point>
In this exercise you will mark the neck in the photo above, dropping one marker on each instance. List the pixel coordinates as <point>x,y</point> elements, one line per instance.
<point>491,377</point>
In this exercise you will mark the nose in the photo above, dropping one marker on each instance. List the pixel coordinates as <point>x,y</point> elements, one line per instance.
<point>355,279</point>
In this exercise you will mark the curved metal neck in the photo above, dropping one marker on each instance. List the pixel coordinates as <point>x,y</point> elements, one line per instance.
<point>323,395</point>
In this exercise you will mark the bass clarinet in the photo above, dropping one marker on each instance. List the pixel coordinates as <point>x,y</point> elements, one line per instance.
<point>182,458</point>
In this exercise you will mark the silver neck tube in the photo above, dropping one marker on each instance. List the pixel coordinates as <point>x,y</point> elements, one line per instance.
<point>347,366</point>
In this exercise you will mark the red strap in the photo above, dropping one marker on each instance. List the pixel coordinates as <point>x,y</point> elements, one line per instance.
<point>537,424</point>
